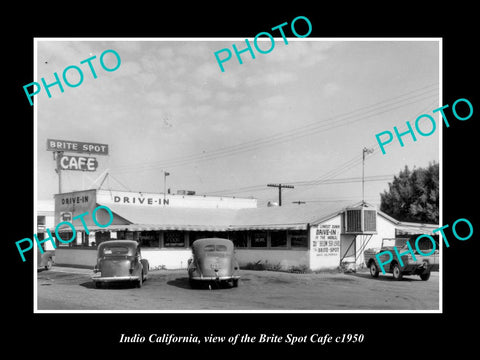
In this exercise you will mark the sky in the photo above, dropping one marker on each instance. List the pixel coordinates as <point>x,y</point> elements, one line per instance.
<point>298,115</point>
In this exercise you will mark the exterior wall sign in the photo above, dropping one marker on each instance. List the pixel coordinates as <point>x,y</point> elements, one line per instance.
<point>133,199</point>
<point>116,197</point>
<point>80,163</point>
<point>66,216</point>
<point>77,147</point>
<point>327,240</point>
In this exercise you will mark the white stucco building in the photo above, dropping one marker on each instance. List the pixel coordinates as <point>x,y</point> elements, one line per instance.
<point>313,236</point>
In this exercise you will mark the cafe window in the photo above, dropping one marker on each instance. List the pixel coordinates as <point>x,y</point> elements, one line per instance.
<point>101,236</point>
<point>66,236</point>
<point>196,235</point>
<point>259,239</point>
<point>127,235</point>
<point>149,239</point>
<point>239,238</point>
<point>174,239</point>
<point>298,238</point>
<point>278,238</point>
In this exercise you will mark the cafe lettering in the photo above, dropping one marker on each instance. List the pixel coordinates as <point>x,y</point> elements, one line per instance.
<point>81,163</point>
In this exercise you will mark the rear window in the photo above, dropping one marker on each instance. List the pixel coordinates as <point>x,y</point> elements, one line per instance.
<point>115,250</point>
<point>215,248</point>
<point>221,248</point>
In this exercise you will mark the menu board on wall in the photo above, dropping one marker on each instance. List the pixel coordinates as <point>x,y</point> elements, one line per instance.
<point>327,240</point>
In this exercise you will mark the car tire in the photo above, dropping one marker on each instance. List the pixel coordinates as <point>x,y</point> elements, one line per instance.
<point>235,282</point>
<point>49,264</point>
<point>425,277</point>
<point>374,269</point>
<point>397,272</point>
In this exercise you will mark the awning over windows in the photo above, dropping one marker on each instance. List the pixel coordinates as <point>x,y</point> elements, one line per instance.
<point>146,218</point>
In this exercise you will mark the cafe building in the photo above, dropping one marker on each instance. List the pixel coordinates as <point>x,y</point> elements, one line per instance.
<point>309,236</point>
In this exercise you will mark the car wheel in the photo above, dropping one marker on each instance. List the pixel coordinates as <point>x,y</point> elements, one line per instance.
<point>49,264</point>
<point>397,272</point>
<point>235,282</point>
<point>374,270</point>
<point>425,277</point>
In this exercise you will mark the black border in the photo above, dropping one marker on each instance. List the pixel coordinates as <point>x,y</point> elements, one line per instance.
<point>80,333</point>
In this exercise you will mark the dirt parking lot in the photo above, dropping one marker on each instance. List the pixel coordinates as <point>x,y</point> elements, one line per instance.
<point>71,289</point>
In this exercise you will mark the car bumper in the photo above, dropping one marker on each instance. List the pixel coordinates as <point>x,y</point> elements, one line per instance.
<point>210,278</point>
<point>418,269</point>
<point>99,278</point>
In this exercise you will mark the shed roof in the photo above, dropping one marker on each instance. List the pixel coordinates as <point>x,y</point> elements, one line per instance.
<point>288,217</point>
<point>291,217</point>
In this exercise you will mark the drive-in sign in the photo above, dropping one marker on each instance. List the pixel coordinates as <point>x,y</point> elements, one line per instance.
<point>82,163</point>
<point>77,147</point>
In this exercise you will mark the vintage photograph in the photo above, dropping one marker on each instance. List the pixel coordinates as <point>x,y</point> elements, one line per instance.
<point>238,175</point>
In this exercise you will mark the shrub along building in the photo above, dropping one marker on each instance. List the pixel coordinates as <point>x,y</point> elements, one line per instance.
<point>308,236</point>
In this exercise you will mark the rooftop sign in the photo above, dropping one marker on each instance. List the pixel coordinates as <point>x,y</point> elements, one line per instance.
<point>77,147</point>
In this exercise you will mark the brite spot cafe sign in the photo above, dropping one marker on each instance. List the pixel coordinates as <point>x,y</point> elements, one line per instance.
<point>76,162</point>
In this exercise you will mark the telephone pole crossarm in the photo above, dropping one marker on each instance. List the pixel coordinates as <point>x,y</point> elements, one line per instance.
<point>280,187</point>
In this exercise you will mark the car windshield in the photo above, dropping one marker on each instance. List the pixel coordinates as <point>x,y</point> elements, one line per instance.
<point>115,250</point>
<point>388,242</point>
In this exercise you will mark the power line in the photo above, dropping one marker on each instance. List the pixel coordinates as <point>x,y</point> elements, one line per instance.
<point>301,183</point>
<point>268,141</point>
<point>356,160</point>
<point>305,130</point>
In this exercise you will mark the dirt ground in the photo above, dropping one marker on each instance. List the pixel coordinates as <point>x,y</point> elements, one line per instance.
<point>71,289</point>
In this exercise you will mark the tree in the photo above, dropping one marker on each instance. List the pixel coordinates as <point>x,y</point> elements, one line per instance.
<point>413,195</point>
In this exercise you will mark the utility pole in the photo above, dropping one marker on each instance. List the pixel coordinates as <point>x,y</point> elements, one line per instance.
<point>165,174</point>
<point>57,155</point>
<point>365,151</point>
<point>280,186</point>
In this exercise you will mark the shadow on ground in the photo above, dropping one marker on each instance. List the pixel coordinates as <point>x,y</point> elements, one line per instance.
<point>184,283</point>
<point>111,285</point>
<point>387,277</point>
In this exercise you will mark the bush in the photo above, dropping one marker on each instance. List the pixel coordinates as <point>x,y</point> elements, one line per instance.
<point>300,269</point>
<point>254,266</point>
<point>158,267</point>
